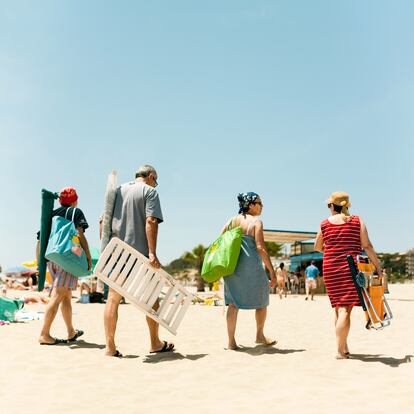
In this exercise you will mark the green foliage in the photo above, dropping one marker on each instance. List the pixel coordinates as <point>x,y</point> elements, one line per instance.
<point>274,249</point>
<point>178,266</point>
<point>395,265</point>
<point>196,257</point>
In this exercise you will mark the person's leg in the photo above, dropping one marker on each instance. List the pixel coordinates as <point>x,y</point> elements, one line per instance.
<point>154,327</point>
<point>307,289</point>
<point>231,317</point>
<point>261,315</point>
<point>313,287</point>
<point>280,289</point>
<point>66,309</point>
<point>342,327</point>
<point>57,296</point>
<point>110,321</point>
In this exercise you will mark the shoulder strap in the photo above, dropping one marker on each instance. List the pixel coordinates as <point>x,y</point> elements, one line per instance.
<point>231,223</point>
<point>73,213</point>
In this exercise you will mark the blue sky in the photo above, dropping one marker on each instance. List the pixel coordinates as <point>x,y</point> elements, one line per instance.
<point>291,99</point>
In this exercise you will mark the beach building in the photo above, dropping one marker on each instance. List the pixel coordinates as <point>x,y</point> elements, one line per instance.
<point>410,263</point>
<point>301,253</point>
<point>301,246</point>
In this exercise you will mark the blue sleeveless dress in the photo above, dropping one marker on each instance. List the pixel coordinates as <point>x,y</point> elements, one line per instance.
<point>248,286</point>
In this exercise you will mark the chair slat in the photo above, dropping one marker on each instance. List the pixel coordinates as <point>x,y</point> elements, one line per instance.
<point>129,273</point>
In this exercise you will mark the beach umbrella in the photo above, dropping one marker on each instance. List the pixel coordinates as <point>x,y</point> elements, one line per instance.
<point>18,270</point>
<point>95,253</point>
<point>30,263</point>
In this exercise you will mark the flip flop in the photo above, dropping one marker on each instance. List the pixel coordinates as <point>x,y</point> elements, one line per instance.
<point>166,348</point>
<point>78,333</point>
<point>56,342</point>
<point>117,354</point>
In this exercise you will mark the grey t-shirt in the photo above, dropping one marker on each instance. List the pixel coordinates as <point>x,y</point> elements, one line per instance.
<point>135,202</point>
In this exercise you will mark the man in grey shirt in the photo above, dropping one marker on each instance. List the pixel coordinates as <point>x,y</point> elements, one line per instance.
<point>137,213</point>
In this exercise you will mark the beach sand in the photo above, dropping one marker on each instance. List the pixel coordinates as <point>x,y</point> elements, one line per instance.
<point>299,375</point>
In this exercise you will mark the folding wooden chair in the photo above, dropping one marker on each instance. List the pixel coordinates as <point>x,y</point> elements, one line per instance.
<point>129,273</point>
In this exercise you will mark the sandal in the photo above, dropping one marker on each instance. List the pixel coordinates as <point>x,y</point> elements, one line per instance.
<point>55,342</point>
<point>78,333</point>
<point>166,348</point>
<point>117,354</point>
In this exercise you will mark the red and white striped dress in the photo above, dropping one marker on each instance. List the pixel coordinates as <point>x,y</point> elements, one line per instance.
<point>339,241</point>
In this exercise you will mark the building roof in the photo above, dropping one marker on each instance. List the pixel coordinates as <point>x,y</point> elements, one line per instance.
<point>287,236</point>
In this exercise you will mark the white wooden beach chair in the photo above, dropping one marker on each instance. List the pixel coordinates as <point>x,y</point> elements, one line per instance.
<point>129,273</point>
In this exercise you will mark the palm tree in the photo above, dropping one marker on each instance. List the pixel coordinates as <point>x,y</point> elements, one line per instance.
<point>196,257</point>
<point>274,249</point>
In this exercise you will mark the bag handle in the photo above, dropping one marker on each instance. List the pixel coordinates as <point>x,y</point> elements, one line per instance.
<point>230,225</point>
<point>73,214</point>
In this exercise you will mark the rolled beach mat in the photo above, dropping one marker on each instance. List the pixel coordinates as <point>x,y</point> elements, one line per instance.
<point>48,202</point>
<point>109,204</point>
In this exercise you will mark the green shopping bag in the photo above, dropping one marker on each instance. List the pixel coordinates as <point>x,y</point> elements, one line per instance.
<point>221,257</point>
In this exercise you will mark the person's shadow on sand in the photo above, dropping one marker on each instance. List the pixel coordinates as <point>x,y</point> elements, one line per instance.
<point>266,349</point>
<point>171,356</point>
<point>80,343</point>
<point>390,361</point>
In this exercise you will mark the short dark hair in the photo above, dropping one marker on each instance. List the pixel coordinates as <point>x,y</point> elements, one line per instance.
<point>282,265</point>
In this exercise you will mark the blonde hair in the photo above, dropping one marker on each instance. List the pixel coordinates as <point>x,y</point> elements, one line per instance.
<point>341,199</point>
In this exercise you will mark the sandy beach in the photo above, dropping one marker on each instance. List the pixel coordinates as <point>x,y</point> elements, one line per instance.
<point>299,374</point>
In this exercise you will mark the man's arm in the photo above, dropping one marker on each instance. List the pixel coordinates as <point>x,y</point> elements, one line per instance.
<point>151,230</point>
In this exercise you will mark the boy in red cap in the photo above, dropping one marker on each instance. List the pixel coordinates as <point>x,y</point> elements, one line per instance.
<point>64,282</point>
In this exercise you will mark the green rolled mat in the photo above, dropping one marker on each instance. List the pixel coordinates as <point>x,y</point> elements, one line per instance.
<point>48,202</point>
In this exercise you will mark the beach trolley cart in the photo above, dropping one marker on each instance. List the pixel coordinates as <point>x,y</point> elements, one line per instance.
<point>129,273</point>
<point>370,290</point>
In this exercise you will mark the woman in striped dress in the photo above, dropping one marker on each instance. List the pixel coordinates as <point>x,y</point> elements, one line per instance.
<point>342,234</point>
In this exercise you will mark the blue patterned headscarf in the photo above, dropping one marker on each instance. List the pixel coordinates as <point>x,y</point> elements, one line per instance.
<point>245,199</point>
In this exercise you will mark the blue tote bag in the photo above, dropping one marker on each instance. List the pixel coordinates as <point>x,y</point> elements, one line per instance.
<point>64,247</point>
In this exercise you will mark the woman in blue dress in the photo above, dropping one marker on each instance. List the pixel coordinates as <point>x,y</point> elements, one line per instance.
<point>248,287</point>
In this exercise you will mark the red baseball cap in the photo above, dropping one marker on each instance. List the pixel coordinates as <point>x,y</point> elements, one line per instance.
<point>67,196</point>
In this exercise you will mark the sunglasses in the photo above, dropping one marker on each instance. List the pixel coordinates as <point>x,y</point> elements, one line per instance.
<point>155,181</point>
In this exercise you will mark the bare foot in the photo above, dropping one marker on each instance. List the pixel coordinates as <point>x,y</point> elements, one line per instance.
<point>341,355</point>
<point>115,353</point>
<point>47,340</point>
<point>266,341</point>
<point>232,346</point>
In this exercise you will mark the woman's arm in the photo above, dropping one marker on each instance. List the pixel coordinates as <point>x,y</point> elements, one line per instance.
<point>261,248</point>
<point>369,248</point>
<point>319,242</point>
<point>85,246</point>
